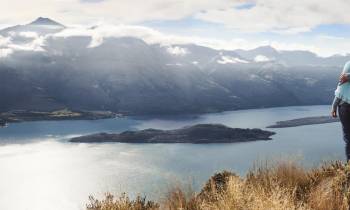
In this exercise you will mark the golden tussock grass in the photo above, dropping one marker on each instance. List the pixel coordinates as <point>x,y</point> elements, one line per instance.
<point>280,186</point>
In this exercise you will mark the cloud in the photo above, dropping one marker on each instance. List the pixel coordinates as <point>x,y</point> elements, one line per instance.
<point>229,59</point>
<point>275,15</point>
<point>179,51</point>
<point>114,11</point>
<point>288,16</point>
<point>35,45</point>
<point>152,36</point>
<point>92,1</point>
<point>29,34</point>
<point>4,52</point>
<point>4,41</point>
<point>321,45</point>
<point>8,46</point>
<point>287,31</point>
<point>261,58</point>
<point>285,18</point>
<point>328,37</point>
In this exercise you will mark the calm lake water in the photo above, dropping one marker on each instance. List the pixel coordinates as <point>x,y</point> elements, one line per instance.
<point>40,170</point>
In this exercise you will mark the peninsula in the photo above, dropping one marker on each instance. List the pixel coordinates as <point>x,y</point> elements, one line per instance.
<point>197,134</point>
<point>2,123</point>
<point>65,114</point>
<point>304,121</point>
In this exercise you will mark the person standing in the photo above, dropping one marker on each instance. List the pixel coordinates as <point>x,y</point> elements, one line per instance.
<point>341,103</point>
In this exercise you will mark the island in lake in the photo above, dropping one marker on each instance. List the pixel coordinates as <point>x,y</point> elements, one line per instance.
<point>304,121</point>
<point>65,114</point>
<point>197,134</point>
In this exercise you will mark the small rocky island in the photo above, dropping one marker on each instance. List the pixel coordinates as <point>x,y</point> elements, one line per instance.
<point>304,121</point>
<point>197,134</point>
<point>64,114</point>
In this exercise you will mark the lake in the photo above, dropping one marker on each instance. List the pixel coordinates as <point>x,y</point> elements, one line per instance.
<point>40,170</point>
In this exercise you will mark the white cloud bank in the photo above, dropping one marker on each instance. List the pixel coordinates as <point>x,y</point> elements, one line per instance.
<point>283,17</point>
<point>8,46</point>
<point>322,45</point>
<point>152,36</point>
<point>287,16</point>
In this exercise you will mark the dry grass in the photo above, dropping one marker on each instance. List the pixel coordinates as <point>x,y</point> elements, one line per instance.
<point>121,203</point>
<point>280,186</point>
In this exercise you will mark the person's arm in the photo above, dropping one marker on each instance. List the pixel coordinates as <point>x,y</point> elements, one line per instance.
<point>345,77</point>
<point>335,104</point>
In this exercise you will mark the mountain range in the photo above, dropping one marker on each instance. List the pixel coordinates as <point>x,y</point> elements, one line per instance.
<point>45,68</point>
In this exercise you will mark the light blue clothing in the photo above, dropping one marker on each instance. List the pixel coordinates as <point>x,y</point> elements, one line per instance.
<point>342,93</point>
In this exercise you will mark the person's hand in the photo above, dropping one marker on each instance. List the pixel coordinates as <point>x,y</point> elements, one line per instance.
<point>334,113</point>
<point>343,78</point>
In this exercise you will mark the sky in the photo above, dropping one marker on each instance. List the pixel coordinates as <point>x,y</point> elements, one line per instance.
<point>320,26</point>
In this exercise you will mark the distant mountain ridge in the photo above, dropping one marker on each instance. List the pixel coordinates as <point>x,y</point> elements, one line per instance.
<point>45,21</point>
<point>126,74</point>
<point>41,26</point>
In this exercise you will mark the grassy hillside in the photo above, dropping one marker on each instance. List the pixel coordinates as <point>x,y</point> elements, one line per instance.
<point>275,187</point>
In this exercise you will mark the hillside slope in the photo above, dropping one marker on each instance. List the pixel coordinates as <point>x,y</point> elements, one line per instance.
<point>279,186</point>
<point>43,67</point>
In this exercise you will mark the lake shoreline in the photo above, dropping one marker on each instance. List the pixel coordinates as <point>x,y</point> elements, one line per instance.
<point>19,116</point>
